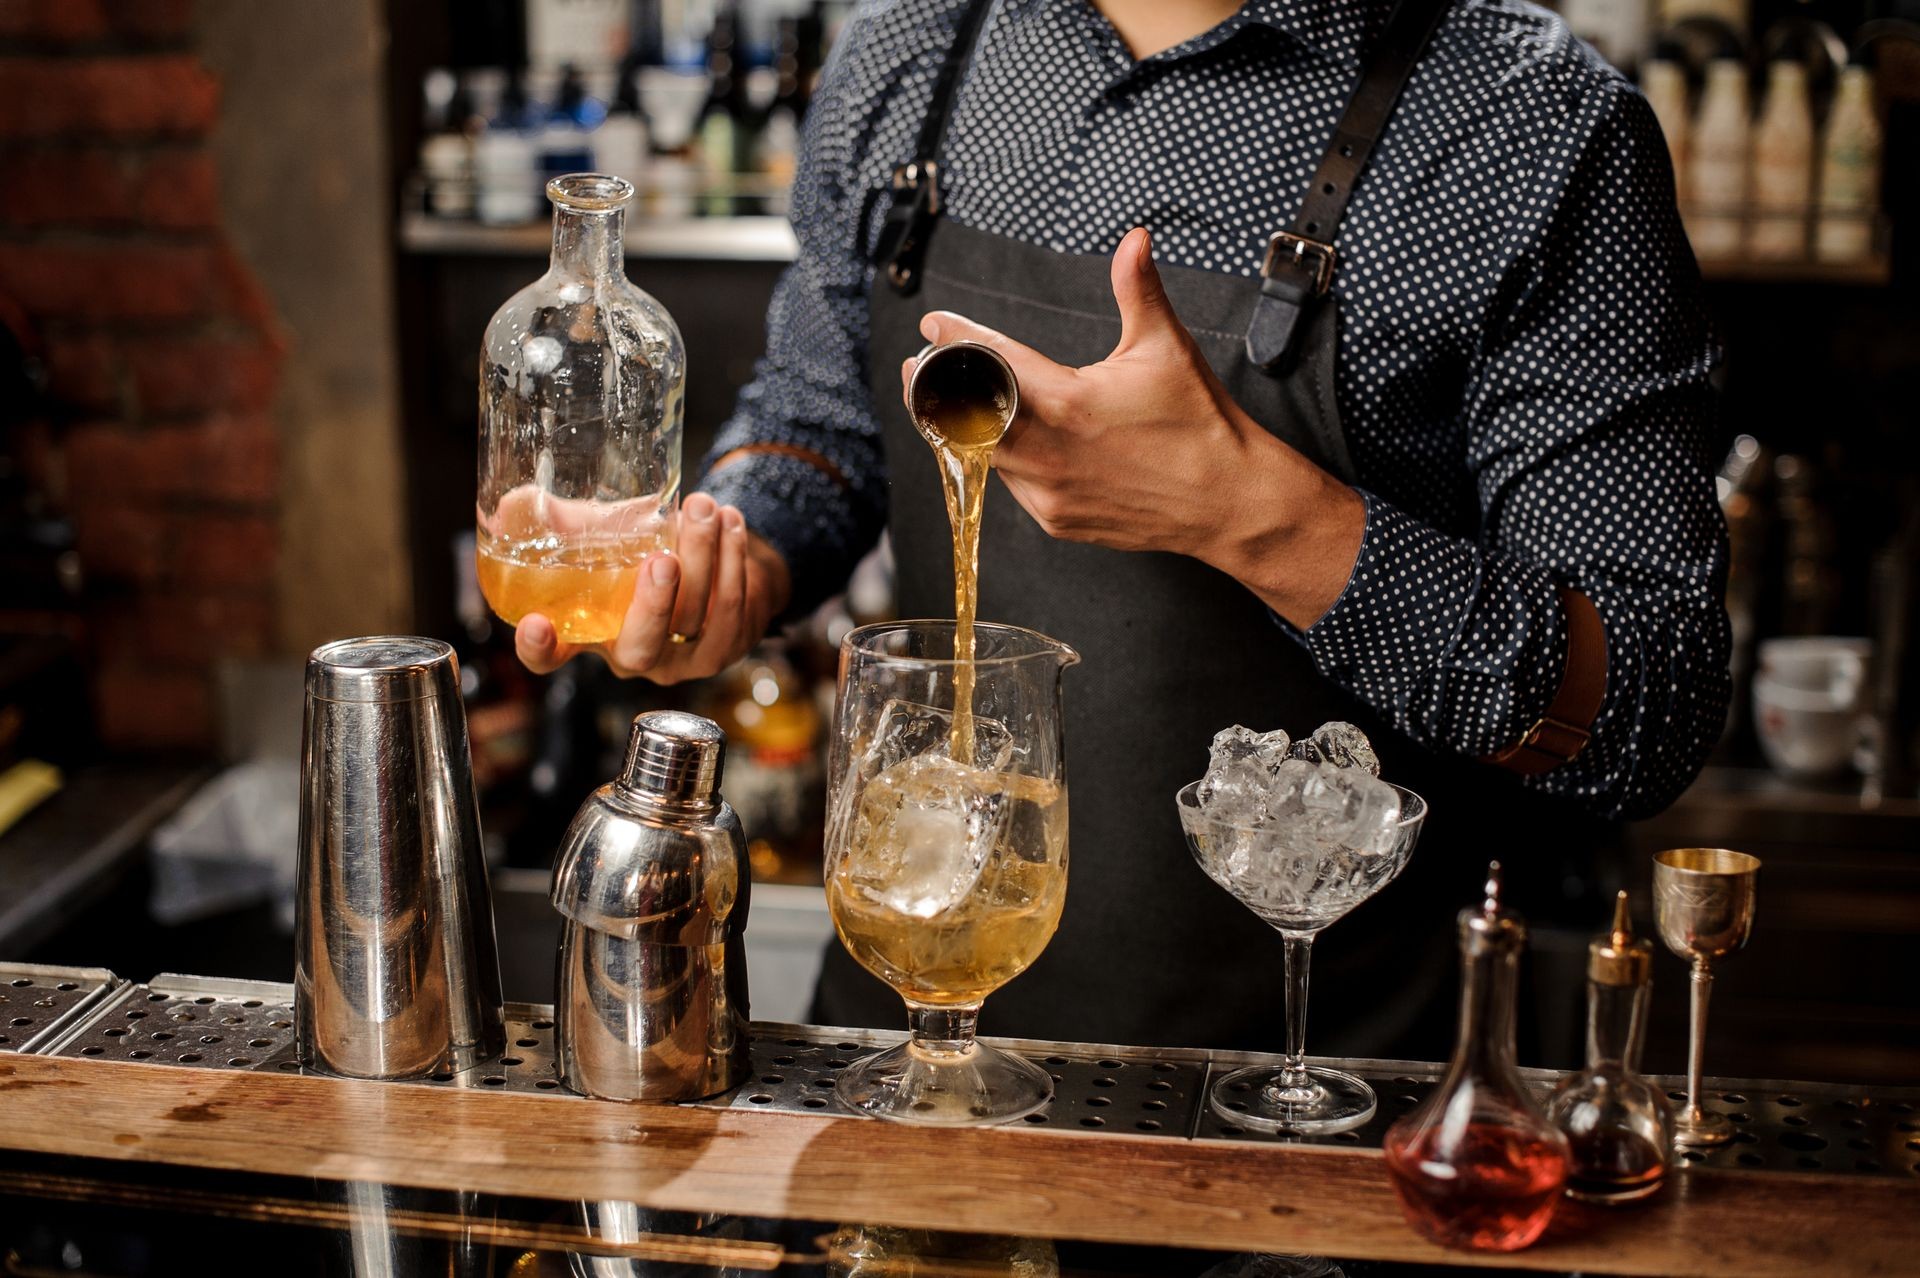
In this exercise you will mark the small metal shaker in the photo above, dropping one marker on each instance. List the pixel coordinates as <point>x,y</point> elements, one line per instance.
<point>651,1001</point>
<point>396,974</point>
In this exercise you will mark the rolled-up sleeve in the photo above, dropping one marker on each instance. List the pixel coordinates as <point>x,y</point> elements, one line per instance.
<point>1588,413</point>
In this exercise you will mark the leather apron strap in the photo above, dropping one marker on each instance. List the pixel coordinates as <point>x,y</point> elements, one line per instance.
<point>1298,268</point>
<point>902,246</point>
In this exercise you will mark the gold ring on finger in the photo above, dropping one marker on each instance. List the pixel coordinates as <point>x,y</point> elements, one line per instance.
<point>677,637</point>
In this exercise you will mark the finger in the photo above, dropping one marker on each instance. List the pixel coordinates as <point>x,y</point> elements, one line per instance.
<point>727,636</point>
<point>538,645</point>
<point>643,633</point>
<point>1145,312</point>
<point>1034,370</point>
<point>906,379</point>
<point>699,538</point>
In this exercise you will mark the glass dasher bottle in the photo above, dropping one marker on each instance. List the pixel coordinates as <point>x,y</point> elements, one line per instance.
<point>1619,1127</point>
<point>582,391</point>
<point>1476,1165</point>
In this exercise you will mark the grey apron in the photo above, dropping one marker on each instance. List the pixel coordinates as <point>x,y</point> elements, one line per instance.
<point>1150,951</point>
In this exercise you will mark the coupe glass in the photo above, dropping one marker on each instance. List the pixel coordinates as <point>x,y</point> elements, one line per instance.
<point>1299,884</point>
<point>946,858</point>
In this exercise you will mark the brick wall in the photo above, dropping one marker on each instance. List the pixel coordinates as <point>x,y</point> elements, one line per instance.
<point>162,352</point>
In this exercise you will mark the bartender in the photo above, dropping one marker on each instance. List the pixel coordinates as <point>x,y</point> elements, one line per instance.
<point>1364,376</point>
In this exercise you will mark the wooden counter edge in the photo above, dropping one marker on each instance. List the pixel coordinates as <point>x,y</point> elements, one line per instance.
<point>1105,1187</point>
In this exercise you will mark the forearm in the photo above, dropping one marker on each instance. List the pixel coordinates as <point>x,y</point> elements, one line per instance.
<point>1292,532</point>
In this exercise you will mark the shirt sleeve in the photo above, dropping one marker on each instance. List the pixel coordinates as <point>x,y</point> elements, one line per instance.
<point>809,391</point>
<point>1588,409</point>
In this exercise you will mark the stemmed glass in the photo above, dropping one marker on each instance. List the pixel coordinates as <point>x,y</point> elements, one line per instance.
<point>1703,906</point>
<point>946,857</point>
<point>1299,883</point>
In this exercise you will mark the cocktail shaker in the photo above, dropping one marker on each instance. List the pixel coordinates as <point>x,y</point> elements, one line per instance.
<point>395,969</point>
<point>651,1001</point>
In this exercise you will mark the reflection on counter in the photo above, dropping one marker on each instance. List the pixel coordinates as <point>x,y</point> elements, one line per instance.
<point>63,1215</point>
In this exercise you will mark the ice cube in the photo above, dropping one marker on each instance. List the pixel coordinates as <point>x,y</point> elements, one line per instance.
<point>1339,744</point>
<point>906,730</point>
<point>924,831</point>
<point>1230,745</point>
<point>1236,793</point>
<point>1350,808</point>
<point>1290,781</point>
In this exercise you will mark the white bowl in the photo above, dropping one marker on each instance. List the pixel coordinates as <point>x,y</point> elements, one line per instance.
<point>1802,732</point>
<point>1818,663</point>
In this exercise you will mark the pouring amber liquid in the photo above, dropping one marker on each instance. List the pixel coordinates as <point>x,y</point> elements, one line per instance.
<point>962,399</point>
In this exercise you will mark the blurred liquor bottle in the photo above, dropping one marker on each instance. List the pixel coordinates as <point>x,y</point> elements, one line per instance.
<point>725,129</point>
<point>776,149</point>
<point>775,774</point>
<point>1849,172</point>
<point>1781,171</point>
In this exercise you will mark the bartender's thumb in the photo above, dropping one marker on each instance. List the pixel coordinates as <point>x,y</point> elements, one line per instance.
<point>1145,313</point>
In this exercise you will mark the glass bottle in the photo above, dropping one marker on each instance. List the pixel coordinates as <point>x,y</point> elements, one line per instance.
<point>1849,172</point>
<point>1618,1128</point>
<point>1714,199</point>
<point>1476,1165</point>
<point>1780,173</point>
<point>582,391</point>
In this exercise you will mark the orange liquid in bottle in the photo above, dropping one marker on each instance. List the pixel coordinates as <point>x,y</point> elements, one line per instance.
<point>1494,1189</point>
<point>583,588</point>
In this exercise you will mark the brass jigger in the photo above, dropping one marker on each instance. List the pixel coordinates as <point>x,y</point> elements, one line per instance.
<point>1703,906</point>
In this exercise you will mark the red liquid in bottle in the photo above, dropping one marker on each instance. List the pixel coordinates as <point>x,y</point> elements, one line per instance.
<point>1494,1190</point>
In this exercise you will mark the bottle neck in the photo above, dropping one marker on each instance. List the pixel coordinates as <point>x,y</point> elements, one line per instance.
<point>1616,1025</point>
<point>1486,1044</point>
<point>586,245</point>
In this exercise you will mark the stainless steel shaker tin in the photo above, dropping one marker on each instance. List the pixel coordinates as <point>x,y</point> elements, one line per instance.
<point>396,974</point>
<point>652,879</point>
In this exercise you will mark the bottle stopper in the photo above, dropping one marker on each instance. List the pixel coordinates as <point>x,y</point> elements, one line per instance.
<point>1619,957</point>
<point>1493,926</point>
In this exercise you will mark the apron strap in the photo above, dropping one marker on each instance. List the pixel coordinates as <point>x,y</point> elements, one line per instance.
<point>902,245</point>
<point>1299,262</point>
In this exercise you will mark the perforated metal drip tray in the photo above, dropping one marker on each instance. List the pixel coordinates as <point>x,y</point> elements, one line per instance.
<point>37,1003</point>
<point>205,1023</point>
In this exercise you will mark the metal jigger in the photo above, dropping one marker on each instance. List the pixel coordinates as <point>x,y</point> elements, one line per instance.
<point>1703,906</point>
<point>956,376</point>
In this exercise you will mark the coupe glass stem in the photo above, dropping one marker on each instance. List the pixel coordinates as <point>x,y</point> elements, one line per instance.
<point>943,1033</point>
<point>1293,1073</point>
<point>1697,1038</point>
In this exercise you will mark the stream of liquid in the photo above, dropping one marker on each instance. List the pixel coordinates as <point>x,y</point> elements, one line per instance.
<point>963,426</point>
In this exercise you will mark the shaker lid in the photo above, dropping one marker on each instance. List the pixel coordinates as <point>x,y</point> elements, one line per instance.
<point>382,668</point>
<point>1619,957</point>
<point>1492,927</point>
<point>674,756</point>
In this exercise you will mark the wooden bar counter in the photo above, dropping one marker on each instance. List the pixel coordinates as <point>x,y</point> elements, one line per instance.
<point>1127,1154</point>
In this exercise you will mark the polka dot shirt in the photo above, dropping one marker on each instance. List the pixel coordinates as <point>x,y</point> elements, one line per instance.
<point>1522,361</point>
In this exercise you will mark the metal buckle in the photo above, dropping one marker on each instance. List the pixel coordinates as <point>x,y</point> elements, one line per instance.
<point>1559,741</point>
<point>921,179</point>
<point>1300,248</point>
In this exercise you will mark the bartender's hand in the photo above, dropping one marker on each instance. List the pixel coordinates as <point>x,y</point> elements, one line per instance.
<point>718,590</point>
<point>1145,450</point>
